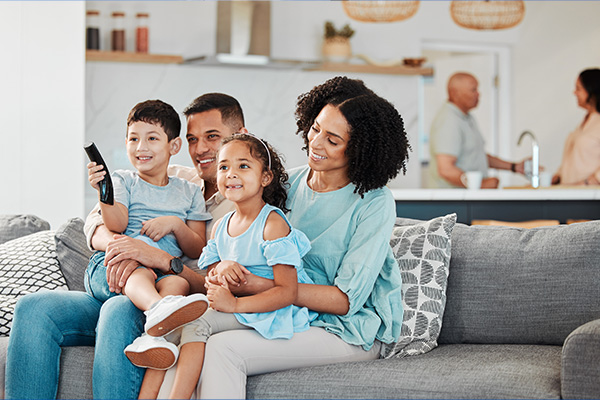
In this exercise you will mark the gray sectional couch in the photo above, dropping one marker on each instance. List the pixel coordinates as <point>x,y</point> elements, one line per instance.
<point>521,320</point>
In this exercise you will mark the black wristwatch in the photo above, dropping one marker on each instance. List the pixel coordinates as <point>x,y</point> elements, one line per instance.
<point>176,266</point>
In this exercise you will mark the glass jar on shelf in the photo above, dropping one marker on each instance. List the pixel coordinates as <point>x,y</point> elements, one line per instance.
<point>92,31</point>
<point>118,31</point>
<point>141,32</point>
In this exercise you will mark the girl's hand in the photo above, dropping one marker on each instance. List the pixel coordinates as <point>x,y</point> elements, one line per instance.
<point>230,272</point>
<point>157,228</point>
<point>220,298</point>
<point>95,174</point>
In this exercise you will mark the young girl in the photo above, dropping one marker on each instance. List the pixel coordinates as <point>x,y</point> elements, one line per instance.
<point>255,238</point>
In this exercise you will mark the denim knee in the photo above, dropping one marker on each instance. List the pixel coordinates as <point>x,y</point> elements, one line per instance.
<point>95,281</point>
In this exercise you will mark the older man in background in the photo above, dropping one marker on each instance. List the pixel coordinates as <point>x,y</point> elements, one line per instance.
<point>456,144</point>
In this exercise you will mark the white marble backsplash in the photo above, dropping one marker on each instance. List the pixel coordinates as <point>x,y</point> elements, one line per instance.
<point>267,95</point>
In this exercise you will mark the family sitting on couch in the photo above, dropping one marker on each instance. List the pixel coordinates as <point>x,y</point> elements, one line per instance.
<point>345,273</point>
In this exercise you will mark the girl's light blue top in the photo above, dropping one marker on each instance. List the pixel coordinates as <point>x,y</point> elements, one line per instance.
<point>350,237</point>
<point>251,250</point>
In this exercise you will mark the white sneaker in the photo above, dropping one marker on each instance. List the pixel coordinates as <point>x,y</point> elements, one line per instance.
<point>174,311</point>
<point>152,352</point>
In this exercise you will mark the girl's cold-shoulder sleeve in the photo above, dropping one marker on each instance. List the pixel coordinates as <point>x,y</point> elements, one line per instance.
<point>287,250</point>
<point>210,254</point>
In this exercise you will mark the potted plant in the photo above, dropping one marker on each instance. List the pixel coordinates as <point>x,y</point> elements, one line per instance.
<point>336,43</point>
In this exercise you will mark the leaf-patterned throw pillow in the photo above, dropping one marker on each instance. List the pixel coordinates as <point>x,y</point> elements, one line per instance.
<point>423,254</point>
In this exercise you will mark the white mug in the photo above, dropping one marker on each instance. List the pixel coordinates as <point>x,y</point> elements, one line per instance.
<point>472,179</point>
<point>545,179</point>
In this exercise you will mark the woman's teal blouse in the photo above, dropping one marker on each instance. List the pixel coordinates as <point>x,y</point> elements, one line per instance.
<point>350,249</point>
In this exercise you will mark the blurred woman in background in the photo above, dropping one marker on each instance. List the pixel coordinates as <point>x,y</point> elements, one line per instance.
<point>581,158</point>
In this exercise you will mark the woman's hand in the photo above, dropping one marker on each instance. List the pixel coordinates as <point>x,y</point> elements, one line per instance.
<point>159,227</point>
<point>95,174</point>
<point>220,297</point>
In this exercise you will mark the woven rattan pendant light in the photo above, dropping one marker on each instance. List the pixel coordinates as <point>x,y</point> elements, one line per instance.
<point>380,11</point>
<point>487,14</point>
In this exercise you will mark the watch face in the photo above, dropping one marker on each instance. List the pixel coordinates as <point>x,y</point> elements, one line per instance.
<point>176,265</point>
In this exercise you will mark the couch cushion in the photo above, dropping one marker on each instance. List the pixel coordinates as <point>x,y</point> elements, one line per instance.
<point>446,372</point>
<point>73,253</point>
<point>27,264</point>
<point>516,285</point>
<point>75,381</point>
<point>14,226</point>
<point>423,254</point>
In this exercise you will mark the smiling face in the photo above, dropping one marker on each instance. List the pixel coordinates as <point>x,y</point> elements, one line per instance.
<point>149,149</point>
<point>205,131</point>
<point>240,176</point>
<point>327,141</point>
<point>581,94</point>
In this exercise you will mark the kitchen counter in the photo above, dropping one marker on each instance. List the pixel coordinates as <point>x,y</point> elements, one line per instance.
<point>523,193</point>
<point>509,204</point>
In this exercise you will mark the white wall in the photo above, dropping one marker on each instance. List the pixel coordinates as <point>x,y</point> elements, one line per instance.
<point>42,109</point>
<point>552,50</point>
<point>43,76</point>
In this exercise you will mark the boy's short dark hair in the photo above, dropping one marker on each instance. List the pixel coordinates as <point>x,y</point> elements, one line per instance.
<point>231,111</point>
<point>159,113</point>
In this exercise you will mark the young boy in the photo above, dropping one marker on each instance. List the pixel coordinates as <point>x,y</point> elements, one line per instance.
<point>165,212</point>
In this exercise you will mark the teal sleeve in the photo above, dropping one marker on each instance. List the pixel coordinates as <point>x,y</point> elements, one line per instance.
<point>367,251</point>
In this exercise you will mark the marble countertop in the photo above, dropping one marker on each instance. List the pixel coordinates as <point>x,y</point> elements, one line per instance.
<point>524,193</point>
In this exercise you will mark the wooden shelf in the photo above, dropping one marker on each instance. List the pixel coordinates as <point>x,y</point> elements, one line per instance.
<point>372,69</point>
<point>122,56</point>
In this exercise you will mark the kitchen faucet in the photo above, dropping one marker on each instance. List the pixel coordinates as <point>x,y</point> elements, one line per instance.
<point>534,174</point>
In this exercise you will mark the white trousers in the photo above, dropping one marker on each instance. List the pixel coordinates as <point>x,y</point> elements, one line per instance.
<point>231,356</point>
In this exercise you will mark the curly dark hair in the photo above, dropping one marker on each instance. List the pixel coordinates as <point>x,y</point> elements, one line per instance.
<point>378,147</point>
<point>590,80</point>
<point>156,112</point>
<point>276,192</point>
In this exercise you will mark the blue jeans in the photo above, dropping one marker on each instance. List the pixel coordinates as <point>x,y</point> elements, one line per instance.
<point>43,322</point>
<point>95,277</point>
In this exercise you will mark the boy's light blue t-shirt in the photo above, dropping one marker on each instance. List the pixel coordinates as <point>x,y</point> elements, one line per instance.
<point>145,201</point>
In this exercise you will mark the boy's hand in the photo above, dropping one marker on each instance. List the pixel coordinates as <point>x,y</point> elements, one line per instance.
<point>230,272</point>
<point>220,298</point>
<point>159,227</point>
<point>95,174</point>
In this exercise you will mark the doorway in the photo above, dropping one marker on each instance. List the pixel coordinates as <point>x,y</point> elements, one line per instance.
<point>490,65</point>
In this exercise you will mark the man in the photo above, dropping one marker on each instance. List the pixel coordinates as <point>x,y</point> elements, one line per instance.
<point>45,321</point>
<point>456,144</point>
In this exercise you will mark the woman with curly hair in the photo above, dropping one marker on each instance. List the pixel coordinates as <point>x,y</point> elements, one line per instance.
<point>356,143</point>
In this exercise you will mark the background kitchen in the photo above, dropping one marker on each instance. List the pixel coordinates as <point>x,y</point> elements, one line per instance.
<point>54,99</point>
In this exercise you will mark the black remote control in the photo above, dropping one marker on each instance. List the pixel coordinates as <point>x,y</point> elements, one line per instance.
<point>106,186</point>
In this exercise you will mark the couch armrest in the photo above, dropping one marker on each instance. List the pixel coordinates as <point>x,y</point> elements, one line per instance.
<point>580,372</point>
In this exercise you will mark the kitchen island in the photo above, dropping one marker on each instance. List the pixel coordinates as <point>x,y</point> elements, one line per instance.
<point>509,204</point>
